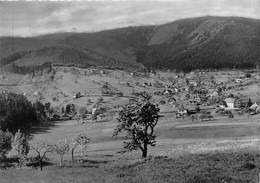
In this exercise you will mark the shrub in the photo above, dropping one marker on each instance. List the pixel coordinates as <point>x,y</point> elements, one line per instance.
<point>230,116</point>
<point>248,75</point>
<point>5,143</point>
<point>99,100</point>
<point>21,145</point>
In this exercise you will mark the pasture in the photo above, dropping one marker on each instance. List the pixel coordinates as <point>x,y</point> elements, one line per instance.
<point>210,151</point>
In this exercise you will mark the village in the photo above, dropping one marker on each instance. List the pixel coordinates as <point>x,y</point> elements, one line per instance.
<point>102,92</point>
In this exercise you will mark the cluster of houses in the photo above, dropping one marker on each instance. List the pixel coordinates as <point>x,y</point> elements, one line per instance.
<point>205,91</point>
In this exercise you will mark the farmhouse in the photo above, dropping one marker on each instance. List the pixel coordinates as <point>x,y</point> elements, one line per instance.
<point>193,83</point>
<point>212,92</point>
<point>230,102</point>
<point>193,102</point>
<point>239,80</point>
<point>172,100</point>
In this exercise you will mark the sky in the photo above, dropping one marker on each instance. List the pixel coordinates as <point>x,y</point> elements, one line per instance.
<point>31,18</point>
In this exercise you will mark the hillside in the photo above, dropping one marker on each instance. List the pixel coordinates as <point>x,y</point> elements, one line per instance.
<point>195,43</point>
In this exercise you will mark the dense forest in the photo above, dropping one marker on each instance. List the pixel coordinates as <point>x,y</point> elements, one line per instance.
<point>31,69</point>
<point>16,112</point>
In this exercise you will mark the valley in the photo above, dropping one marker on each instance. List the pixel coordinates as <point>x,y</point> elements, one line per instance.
<point>180,139</point>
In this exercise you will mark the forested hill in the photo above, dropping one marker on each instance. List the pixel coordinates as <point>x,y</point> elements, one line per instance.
<point>204,42</point>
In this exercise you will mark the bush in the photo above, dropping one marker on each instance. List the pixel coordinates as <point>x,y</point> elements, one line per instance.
<point>99,100</point>
<point>21,145</point>
<point>248,75</point>
<point>230,116</point>
<point>5,143</point>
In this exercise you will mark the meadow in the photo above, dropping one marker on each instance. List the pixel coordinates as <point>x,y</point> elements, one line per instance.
<point>216,151</point>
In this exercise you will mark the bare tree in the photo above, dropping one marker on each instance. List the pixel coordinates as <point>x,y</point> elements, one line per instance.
<point>61,149</point>
<point>41,149</point>
<point>80,141</point>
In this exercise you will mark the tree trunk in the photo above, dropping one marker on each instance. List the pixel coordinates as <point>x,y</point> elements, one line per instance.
<point>40,162</point>
<point>72,155</point>
<point>61,158</point>
<point>144,155</point>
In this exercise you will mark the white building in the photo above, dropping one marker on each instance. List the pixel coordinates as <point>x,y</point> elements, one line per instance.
<point>230,103</point>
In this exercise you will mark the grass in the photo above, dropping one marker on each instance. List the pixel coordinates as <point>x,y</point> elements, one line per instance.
<point>230,166</point>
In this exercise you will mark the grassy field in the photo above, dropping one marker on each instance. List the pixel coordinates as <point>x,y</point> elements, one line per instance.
<point>219,153</point>
<point>239,165</point>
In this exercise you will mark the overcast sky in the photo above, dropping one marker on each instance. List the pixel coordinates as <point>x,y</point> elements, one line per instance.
<point>34,18</point>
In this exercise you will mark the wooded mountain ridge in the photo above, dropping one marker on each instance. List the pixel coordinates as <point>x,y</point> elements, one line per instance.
<point>187,44</point>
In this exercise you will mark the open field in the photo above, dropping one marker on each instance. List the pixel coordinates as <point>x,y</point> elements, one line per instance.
<point>188,154</point>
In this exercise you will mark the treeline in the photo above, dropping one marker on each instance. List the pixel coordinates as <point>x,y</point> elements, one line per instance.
<point>16,112</point>
<point>47,66</point>
<point>11,58</point>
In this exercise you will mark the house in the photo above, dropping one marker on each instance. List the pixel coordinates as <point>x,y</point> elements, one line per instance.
<point>239,80</point>
<point>172,100</point>
<point>93,110</point>
<point>176,89</point>
<point>193,83</point>
<point>197,99</point>
<point>77,95</point>
<point>212,92</point>
<point>132,74</point>
<point>185,89</point>
<point>167,92</point>
<point>230,102</point>
<point>253,106</point>
<point>192,102</point>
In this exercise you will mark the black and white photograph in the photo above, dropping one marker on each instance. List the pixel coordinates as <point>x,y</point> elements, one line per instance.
<point>130,91</point>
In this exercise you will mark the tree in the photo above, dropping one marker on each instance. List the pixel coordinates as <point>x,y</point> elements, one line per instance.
<point>41,149</point>
<point>80,141</point>
<point>40,110</point>
<point>68,109</point>
<point>61,149</point>
<point>94,116</point>
<point>100,100</point>
<point>16,112</point>
<point>47,107</point>
<point>21,145</point>
<point>197,109</point>
<point>249,103</point>
<point>82,112</point>
<point>5,143</point>
<point>89,101</point>
<point>139,120</point>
